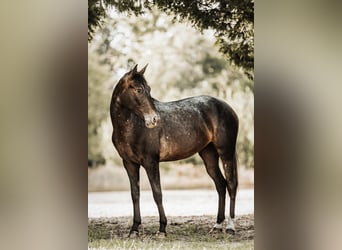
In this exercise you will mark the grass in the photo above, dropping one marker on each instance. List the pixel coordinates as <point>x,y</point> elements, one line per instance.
<point>190,232</point>
<point>167,244</point>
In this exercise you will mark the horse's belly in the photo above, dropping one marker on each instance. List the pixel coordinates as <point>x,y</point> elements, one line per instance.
<point>175,156</point>
<point>173,150</point>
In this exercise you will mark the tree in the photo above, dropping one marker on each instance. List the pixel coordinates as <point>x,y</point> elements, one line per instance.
<point>232,21</point>
<point>98,95</point>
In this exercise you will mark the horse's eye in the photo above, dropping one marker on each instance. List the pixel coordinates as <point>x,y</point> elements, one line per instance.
<point>139,90</point>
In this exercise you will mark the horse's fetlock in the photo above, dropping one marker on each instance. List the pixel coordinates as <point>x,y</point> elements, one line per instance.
<point>136,224</point>
<point>133,234</point>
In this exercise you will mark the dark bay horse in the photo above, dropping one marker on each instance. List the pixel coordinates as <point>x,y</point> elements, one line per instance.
<point>146,132</point>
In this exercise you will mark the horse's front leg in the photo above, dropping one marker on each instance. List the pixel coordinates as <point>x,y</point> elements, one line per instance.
<point>152,170</point>
<point>133,174</point>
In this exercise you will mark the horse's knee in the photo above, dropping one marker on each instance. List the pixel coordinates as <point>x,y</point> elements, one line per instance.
<point>232,184</point>
<point>221,188</point>
<point>232,179</point>
<point>135,199</point>
<point>135,195</point>
<point>157,196</point>
<point>232,189</point>
<point>220,182</point>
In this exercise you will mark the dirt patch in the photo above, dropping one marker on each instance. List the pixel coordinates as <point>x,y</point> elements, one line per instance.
<point>180,228</point>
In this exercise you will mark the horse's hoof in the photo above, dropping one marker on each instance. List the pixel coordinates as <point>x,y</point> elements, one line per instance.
<point>215,230</point>
<point>161,235</point>
<point>133,235</point>
<point>230,231</point>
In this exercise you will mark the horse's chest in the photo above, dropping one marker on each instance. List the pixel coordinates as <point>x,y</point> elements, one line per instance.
<point>132,146</point>
<point>126,147</point>
<point>127,152</point>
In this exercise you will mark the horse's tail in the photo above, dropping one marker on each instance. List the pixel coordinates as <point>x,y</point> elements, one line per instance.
<point>235,167</point>
<point>232,182</point>
<point>235,156</point>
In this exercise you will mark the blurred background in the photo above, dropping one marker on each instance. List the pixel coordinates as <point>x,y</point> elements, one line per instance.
<point>44,115</point>
<point>182,62</point>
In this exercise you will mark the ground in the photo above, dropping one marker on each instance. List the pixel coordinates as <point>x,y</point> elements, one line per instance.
<point>183,232</point>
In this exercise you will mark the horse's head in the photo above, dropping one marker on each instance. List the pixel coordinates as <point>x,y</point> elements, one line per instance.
<point>132,92</point>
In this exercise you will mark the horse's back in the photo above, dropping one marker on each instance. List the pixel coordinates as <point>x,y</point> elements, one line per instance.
<point>188,125</point>
<point>207,109</point>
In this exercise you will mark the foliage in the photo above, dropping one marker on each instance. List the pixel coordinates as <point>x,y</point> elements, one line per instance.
<point>97,108</point>
<point>232,21</point>
<point>182,63</point>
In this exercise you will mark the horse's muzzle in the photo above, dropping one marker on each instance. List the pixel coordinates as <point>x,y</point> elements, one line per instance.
<point>151,120</point>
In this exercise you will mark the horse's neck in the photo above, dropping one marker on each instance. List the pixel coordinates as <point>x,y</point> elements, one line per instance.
<point>121,112</point>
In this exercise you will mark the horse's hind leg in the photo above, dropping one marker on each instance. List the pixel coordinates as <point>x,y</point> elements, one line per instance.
<point>210,158</point>
<point>231,174</point>
<point>230,170</point>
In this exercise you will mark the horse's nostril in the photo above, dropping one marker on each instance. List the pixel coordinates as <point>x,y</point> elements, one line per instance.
<point>152,121</point>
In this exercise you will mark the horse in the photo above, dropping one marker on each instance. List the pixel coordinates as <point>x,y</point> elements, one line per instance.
<point>147,131</point>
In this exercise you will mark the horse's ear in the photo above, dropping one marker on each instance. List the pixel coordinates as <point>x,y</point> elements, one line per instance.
<point>142,71</point>
<point>134,70</point>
